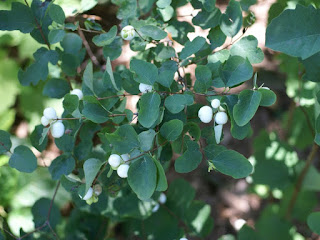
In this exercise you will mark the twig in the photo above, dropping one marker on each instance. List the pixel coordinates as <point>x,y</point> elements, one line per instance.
<point>89,51</point>
<point>52,200</point>
<point>301,177</point>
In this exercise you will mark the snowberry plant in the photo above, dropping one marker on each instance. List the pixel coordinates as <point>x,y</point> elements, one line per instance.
<point>114,160</point>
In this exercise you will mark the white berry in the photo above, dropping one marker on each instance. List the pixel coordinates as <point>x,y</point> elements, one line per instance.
<point>144,88</point>
<point>77,92</point>
<point>205,114</point>
<point>162,198</point>
<point>183,239</point>
<point>221,118</point>
<point>123,171</point>
<point>50,113</point>
<point>57,130</point>
<point>45,121</point>
<point>114,160</point>
<point>128,33</point>
<point>156,208</point>
<point>215,103</point>
<point>125,157</point>
<point>88,194</point>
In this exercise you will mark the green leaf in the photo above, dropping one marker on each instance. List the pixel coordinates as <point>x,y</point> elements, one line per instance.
<point>95,112</point>
<point>5,142</point>
<point>88,76</point>
<point>56,88</point>
<point>193,129</point>
<point>246,107</point>
<point>146,73</point>
<point>39,69</point>
<point>236,131</point>
<point>142,177</point>
<point>198,218</point>
<point>192,47</point>
<point>190,159</point>
<point>247,233</point>
<point>165,52</point>
<point>20,17</point>
<point>231,20</point>
<point>71,43</point>
<point>312,66</point>
<point>171,130</point>
<point>313,222</point>
<point>179,196</point>
<point>209,5</point>
<point>247,47</point>
<point>268,97</point>
<point>35,137</point>
<point>162,183</point>
<point>57,14</point>
<point>146,139</point>
<point>206,19</point>
<point>216,37</point>
<point>56,35</point>
<point>44,136</point>
<point>62,165</point>
<point>245,4</point>
<point>70,103</point>
<point>204,78</point>
<point>294,31</point>
<point>153,32</point>
<point>228,162</point>
<point>167,13</point>
<point>23,159</point>
<point>110,73</point>
<point>105,38</point>
<point>177,102</point>
<point>149,104</point>
<point>91,168</point>
<point>163,3</point>
<point>40,211</point>
<point>124,139</point>
<point>235,71</point>
<point>113,50</point>
<point>65,143</point>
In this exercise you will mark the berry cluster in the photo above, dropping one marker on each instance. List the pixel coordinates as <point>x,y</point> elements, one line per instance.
<point>120,163</point>
<point>92,194</point>
<point>50,118</point>
<point>206,114</point>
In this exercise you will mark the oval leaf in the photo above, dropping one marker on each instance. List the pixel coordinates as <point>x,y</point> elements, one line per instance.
<point>23,159</point>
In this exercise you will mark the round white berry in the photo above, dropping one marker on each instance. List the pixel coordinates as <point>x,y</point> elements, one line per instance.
<point>45,121</point>
<point>162,198</point>
<point>125,157</point>
<point>221,118</point>
<point>205,114</point>
<point>123,170</point>
<point>88,194</point>
<point>183,239</point>
<point>156,208</point>
<point>57,130</point>
<point>77,92</point>
<point>114,160</point>
<point>50,113</point>
<point>215,103</point>
<point>144,88</point>
<point>128,33</point>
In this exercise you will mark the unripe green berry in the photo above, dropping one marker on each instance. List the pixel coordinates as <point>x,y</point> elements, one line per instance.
<point>128,33</point>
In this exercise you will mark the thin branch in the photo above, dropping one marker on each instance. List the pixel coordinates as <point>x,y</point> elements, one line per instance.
<point>300,180</point>
<point>308,120</point>
<point>87,46</point>
<point>52,200</point>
